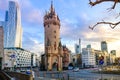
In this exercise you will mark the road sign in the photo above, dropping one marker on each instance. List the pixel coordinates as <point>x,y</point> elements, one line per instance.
<point>101,62</point>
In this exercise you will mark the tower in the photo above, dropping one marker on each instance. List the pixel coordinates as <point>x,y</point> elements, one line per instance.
<point>13,29</point>
<point>78,47</point>
<point>104,46</point>
<point>53,47</point>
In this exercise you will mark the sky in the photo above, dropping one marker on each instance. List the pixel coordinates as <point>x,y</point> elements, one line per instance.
<point>75,18</point>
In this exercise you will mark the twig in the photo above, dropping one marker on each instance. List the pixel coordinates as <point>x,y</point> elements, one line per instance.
<point>112,25</point>
<point>100,1</point>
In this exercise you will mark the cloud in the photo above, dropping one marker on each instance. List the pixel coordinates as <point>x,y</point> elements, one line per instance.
<point>34,16</point>
<point>30,14</point>
<point>71,32</point>
<point>32,44</point>
<point>3,4</point>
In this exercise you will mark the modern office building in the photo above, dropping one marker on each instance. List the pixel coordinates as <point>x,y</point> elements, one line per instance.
<point>98,54</point>
<point>1,48</point>
<point>104,46</point>
<point>2,23</point>
<point>12,28</point>
<point>34,60</point>
<point>88,46</point>
<point>112,56</point>
<point>78,47</point>
<point>88,57</point>
<point>17,57</point>
<point>5,29</point>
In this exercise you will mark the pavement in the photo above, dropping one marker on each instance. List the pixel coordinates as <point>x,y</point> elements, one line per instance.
<point>84,74</point>
<point>43,78</point>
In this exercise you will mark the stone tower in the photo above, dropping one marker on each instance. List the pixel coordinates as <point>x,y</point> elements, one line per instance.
<point>53,47</point>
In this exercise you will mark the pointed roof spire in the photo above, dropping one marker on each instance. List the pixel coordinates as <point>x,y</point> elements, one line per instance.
<point>52,8</point>
<point>60,44</point>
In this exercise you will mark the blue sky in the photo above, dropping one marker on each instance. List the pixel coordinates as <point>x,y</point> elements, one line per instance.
<point>75,17</point>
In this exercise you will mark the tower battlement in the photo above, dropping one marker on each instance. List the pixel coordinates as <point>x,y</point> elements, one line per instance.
<point>51,17</point>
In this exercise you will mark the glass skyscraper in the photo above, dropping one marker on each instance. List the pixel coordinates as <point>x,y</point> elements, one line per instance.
<point>13,29</point>
<point>104,46</point>
<point>78,47</point>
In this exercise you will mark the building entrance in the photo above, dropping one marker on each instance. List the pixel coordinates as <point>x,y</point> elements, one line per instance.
<point>55,66</point>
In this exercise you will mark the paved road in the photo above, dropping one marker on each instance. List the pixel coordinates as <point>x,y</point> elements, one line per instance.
<point>83,74</point>
<point>88,74</point>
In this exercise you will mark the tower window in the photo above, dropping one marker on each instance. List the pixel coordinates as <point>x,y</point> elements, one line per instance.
<point>55,23</point>
<point>55,45</point>
<point>54,31</point>
<point>54,36</point>
<point>48,26</point>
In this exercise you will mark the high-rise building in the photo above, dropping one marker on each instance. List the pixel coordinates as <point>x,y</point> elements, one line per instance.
<point>88,57</point>
<point>78,47</point>
<point>13,29</point>
<point>1,47</point>
<point>53,46</point>
<point>17,57</point>
<point>88,46</point>
<point>104,46</point>
<point>112,56</point>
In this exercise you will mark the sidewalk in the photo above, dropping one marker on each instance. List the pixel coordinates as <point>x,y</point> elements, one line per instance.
<point>43,78</point>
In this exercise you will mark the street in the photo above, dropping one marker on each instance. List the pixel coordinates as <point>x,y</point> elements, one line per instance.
<point>83,74</point>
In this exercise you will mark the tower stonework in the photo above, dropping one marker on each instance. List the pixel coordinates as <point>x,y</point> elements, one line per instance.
<point>53,47</point>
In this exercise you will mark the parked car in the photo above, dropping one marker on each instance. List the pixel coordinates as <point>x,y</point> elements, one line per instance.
<point>30,72</point>
<point>70,68</point>
<point>76,69</point>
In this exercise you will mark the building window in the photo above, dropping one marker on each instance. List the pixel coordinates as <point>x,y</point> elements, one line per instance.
<point>48,26</point>
<point>55,37</point>
<point>54,31</point>
<point>55,45</point>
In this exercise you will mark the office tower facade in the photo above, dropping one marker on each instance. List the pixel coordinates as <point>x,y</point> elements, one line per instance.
<point>1,47</point>
<point>13,29</point>
<point>88,57</point>
<point>53,47</point>
<point>112,56</point>
<point>78,47</point>
<point>17,57</point>
<point>104,46</point>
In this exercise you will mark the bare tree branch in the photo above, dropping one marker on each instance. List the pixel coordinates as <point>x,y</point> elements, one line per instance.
<point>100,1</point>
<point>112,25</point>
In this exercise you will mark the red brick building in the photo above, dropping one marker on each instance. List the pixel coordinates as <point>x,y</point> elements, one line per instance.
<point>66,57</point>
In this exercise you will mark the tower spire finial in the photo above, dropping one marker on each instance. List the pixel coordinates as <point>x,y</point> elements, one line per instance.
<point>52,9</point>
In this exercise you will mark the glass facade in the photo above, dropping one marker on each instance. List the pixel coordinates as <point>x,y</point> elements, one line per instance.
<point>104,46</point>
<point>13,29</point>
